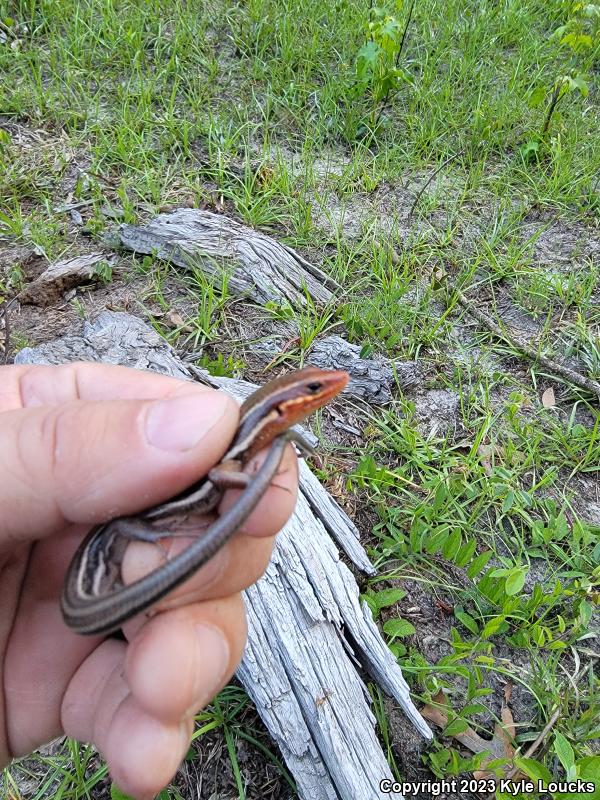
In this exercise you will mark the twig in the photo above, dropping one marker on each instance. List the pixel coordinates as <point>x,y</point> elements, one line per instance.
<point>554,100</point>
<point>589,384</point>
<point>4,310</point>
<point>404,32</point>
<point>431,177</point>
<point>72,206</point>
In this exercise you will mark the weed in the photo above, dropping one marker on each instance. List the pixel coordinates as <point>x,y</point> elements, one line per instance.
<point>378,71</point>
<point>580,35</point>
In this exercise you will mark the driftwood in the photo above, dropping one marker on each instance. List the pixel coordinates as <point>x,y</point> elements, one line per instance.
<point>307,628</point>
<point>49,287</point>
<point>258,266</point>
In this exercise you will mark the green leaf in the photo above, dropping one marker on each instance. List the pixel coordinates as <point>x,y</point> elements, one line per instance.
<point>563,750</point>
<point>457,725</point>
<point>585,613</point>
<point>537,97</point>
<point>366,60</point>
<point>440,496</point>
<point>387,597</point>
<point>589,768</point>
<point>479,563</point>
<point>465,554</point>
<point>398,649</point>
<point>369,53</point>
<point>440,760</point>
<point>399,627</point>
<point>452,545</point>
<point>487,660</point>
<point>581,84</point>
<point>557,645</point>
<point>529,150</point>
<point>117,794</point>
<point>577,41</point>
<point>568,84</point>
<point>533,769</point>
<point>538,635</point>
<point>467,620</point>
<point>558,32</point>
<point>492,626</point>
<point>391,27</point>
<point>369,600</point>
<point>474,708</point>
<point>501,572</point>
<point>515,581</point>
<point>561,526</point>
<point>508,502</point>
<point>436,540</point>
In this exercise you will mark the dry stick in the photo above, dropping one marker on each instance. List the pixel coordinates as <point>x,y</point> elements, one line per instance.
<point>4,305</point>
<point>589,384</point>
<point>554,101</point>
<point>431,177</point>
<point>404,32</point>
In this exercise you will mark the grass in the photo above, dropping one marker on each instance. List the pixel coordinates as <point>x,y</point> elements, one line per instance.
<point>255,109</point>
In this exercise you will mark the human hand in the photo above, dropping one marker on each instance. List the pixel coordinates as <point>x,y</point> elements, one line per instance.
<point>82,443</point>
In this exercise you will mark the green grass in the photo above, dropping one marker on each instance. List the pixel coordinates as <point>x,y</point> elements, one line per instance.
<point>257,104</point>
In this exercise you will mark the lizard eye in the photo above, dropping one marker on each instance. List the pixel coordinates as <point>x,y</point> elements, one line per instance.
<point>314,387</point>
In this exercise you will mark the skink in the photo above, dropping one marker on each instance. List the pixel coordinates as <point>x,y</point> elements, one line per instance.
<point>94,598</point>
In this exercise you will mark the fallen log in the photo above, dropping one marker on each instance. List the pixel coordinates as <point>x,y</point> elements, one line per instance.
<point>257,265</point>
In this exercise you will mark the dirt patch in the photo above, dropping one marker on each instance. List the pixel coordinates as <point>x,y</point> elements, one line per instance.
<point>556,243</point>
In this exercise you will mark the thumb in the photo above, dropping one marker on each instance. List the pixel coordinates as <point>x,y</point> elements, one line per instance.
<point>85,462</point>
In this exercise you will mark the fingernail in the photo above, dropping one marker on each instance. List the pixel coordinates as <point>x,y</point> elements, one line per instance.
<point>179,423</point>
<point>213,661</point>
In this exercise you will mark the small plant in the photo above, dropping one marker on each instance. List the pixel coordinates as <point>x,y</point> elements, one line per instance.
<point>538,291</point>
<point>379,75</point>
<point>395,627</point>
<point>103,271</point>
<point>309,321</point>
<point>222,367</point>
<point>11,281</point>
<point>79,307</point>
<point>211,298</point>
<point>5,142</point>
<point>580,34</point>
<point>13,225</point>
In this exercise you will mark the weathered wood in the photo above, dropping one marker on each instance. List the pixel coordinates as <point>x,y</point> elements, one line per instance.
<point>307,629</point>
<point>257,265</point>
<point>112,338</point>
<point>373,380</point>
<point>49,287</point>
